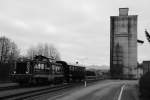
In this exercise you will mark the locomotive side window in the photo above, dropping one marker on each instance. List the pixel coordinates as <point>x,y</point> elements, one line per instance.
<point>39,66</point>
<point>47,67</point>
<point>57,69</point>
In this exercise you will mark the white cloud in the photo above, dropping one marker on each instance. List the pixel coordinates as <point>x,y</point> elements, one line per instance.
<point>78,28</point>
<point>50,29</point>
<point>20,24</point>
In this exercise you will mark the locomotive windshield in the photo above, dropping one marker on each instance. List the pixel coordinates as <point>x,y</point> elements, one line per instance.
<point>22,67</point>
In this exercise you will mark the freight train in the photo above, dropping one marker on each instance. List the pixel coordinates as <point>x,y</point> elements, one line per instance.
<point>42,70</point>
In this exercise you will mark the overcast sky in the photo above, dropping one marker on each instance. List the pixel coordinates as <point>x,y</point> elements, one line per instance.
<point>79,29</point>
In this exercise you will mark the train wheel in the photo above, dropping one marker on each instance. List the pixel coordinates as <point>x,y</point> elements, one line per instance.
<point>21,84</point>
<point>34,81</point>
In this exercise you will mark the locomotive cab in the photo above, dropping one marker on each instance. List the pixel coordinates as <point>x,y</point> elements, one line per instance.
<point>47,71</point>
<point>22,72</point>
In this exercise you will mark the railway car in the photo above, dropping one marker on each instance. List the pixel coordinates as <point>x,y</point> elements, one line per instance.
<point>77,73</point>
<point>38,70</point>
<point>73,73</point>
<point>91,75</point>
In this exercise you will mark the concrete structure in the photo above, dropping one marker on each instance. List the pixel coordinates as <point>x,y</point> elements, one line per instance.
<point>123,45</point>
<point>146,66</point>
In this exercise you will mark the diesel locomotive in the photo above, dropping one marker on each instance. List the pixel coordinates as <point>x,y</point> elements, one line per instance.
<point>43,70</point>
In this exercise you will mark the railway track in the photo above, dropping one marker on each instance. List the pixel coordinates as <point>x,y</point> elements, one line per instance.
<point>19,94</point>
<point>15,86</point>
<point>61,92</point>
<point>24,93</point>
<point>10,86</point>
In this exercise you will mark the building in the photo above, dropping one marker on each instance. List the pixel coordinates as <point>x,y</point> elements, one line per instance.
<point>146,66</point>
<point>139,70</point>
<point>123,45</point>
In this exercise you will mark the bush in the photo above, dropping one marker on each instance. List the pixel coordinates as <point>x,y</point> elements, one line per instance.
<point>144,85</point>
<point>5,69</point>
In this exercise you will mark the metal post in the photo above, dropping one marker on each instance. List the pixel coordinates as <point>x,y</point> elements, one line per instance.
<point>85,83</point>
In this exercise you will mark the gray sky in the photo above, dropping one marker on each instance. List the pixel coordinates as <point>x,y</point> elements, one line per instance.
<point>80,29</point>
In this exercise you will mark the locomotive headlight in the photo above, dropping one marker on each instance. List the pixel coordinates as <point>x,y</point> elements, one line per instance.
<point>27,72</point>
<point>14,72</point>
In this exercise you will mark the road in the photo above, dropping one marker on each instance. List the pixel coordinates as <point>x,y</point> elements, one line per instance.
<point>106,90</point>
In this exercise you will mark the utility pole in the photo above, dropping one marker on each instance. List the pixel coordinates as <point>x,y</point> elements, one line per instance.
<point>2,49</point>
<point>139,42</point>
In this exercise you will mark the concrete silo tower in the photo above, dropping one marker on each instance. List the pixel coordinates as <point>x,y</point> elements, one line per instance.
<point>123,45</point>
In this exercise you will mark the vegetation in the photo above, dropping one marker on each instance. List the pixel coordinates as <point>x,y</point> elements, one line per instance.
<point>46,50</point>
<point>144,86</point>
<point>8,53</point>
<point>8,50</point>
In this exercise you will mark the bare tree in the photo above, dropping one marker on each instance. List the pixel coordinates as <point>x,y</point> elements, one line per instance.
<point>8,50</point>
<point>31,52</point>
<point>46,50</point>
